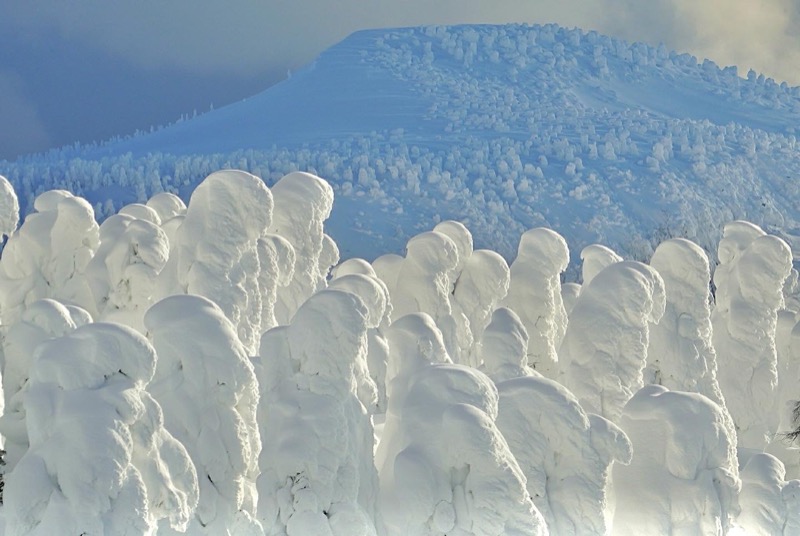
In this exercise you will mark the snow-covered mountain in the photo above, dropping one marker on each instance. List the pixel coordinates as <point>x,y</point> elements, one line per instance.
<point>501,127</point>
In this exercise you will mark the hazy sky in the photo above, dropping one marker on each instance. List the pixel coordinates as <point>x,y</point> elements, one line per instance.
<point>89,69</point>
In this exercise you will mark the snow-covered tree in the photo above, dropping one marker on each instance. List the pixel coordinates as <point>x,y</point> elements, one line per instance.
<point>207,388</point>
<point>535,295</point>
<point>749,279</point>
<point>680,355</point>
<point>43,320</point>
<point>444,466</point>
<point>317,470</point>
<point>565,454</point>
<point>123,272</point>
<point>604,351</point>
<point>684,475</point>
<point>373,293</point>
<point>595,257</point>
<point>302,204</point>
<point>100,459</point>
<point>483,283</point>
<point>46,256</point>
<point>503,347</point>
<point>215,250</point>
<point>770,505</point>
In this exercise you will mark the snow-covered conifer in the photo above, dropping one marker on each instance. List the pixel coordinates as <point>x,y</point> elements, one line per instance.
<point>749,279</point>
<point>317,472</point>
<point>42,320</point>
<point>680,355</point>
<point>595,257</point>
<point>565,454</point>
<point>46,256</point>
<point>483,283</point>
<point>770,506</point>
<point>503,347</point>
<point>535,295</point>
<point>215,251</point>
<point>444,466</point>
<point>605,347</point>
<point>123,272</point>
<point>373,293</point>
<point>100,460</point>
<point>302,204</point>
<point>684,475</point>
<point>207,388</point>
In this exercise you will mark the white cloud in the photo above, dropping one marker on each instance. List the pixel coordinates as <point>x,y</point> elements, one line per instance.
<point>757,34</point>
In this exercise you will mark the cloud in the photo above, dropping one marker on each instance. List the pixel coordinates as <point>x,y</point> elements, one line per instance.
<point>757,34</point>
<point>21,128</point>
<point>240,35</point>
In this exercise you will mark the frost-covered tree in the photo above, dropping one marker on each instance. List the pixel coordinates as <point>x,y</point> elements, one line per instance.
<point>9,208</point>
<point>770,505</point>
<point>569,294</point>
<point>483,283</point>
<point>302,204</point>
<point>207,388</point>
<point>566,455</point>
<point>100,459</point>
<point>604,351</point>
<point>423,283</point>
<point>595,257</point>
<point>680,354</point>
<point>535,295</point>
<point>373,293</point>
<point>444,466</point>
<point>317,470</point>
<point>215,250</point>
<point>461,333</point>
<point>123,272</point>
<point>276,259</point>
<point>749,279</point>
<point>387,268</point>
<point>43,320</point>
<point>46,256</point>
<point>684,475</point>
<point>414,342</point>
<point>503,347</point>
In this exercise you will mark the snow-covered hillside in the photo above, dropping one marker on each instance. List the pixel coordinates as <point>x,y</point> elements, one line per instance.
<point>504,128</point>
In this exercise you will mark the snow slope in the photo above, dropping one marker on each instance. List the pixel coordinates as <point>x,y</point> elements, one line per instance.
<point>504,128</point>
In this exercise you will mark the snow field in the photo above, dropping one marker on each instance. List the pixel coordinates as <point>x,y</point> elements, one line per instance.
<point>213,368</point>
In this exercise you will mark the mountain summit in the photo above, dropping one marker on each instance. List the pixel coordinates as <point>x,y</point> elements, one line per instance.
<point>502,127</point>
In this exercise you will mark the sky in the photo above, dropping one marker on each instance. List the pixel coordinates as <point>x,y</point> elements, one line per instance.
<point>87,70</point>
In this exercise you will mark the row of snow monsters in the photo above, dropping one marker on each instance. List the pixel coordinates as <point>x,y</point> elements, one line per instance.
<point>215,369</point>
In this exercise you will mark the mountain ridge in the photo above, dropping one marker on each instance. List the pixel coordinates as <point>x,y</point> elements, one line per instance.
<point>503,127</point>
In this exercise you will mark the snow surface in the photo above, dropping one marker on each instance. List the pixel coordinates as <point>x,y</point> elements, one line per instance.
<point>202,360</point>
